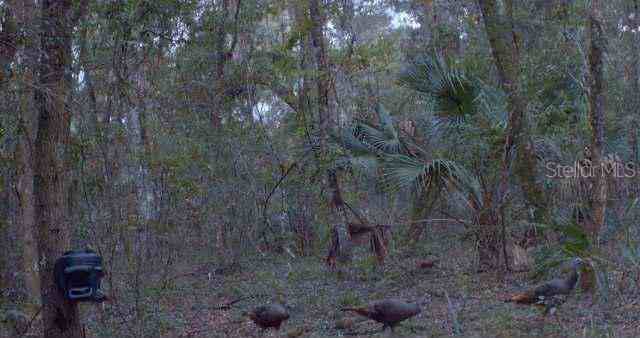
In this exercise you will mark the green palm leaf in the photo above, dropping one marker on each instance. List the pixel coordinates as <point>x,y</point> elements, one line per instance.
<point>452,93</point>
<point>382,136</point>
<point>401,171</point>
<point>377,138</point>
<point>349,140</point>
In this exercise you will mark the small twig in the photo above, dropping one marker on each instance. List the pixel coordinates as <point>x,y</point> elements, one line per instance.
<point>293,166</point>
<point>504,238</point>
<point>461,221</point>
<point>355,213</point>
<point>227,306</point>
<point>454,315</point>
<point>275,187</point>
<point>433,220</point>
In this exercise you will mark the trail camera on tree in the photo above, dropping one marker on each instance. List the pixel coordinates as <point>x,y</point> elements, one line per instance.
<point>78,274</point>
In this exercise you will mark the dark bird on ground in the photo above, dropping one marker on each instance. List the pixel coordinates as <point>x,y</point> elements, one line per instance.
<point>427,264</point>
<point>267,316</point>
<point>389,312</point>
<point>545,293</point>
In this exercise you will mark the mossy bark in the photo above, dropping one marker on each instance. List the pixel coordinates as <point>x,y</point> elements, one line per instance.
<point>596,106</point>
<point>60,316</point>
<point>504,41</point>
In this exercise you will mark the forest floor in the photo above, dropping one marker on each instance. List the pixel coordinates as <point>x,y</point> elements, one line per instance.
<point>455,300</point>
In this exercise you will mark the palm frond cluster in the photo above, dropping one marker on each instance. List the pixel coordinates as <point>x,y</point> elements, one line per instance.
<point>453,95</point>
<point>380,151</point>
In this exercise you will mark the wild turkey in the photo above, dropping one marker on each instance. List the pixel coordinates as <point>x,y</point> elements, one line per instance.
<point>545,294</point>
<point>389,312</point>
<point>427,264</point>
<point>267,316</point>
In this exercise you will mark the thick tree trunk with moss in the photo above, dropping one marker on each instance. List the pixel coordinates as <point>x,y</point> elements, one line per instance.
<point>498,20</point>
<point>322,76</point>
<point>596,106</point>
<point>60,316</point>
<point>7,52</point>
<point>317,21</point>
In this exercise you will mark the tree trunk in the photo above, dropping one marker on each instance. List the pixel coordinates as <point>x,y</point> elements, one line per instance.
<point>633,100</point>
<point>303,103</point>
<point>18,14</point>
<point>312,45</point>
<point>26,213</point>
<point>220,60</point>
<point>323,76</point>
<point>60,316</point>
<point>490,243</point>
<point>7,41</point>
<point>490,247</point>
<point>596,106</point>
<point>147,210</point>
<point>498,20</point>
<point>220,100</point>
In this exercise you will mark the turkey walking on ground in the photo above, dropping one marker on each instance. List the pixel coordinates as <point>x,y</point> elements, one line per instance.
<point>545,294</point>
<point>267,316</point>
<point>389,312</point>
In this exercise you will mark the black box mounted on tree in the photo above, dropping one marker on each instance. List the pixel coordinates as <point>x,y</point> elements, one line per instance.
<point>78,274</point>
